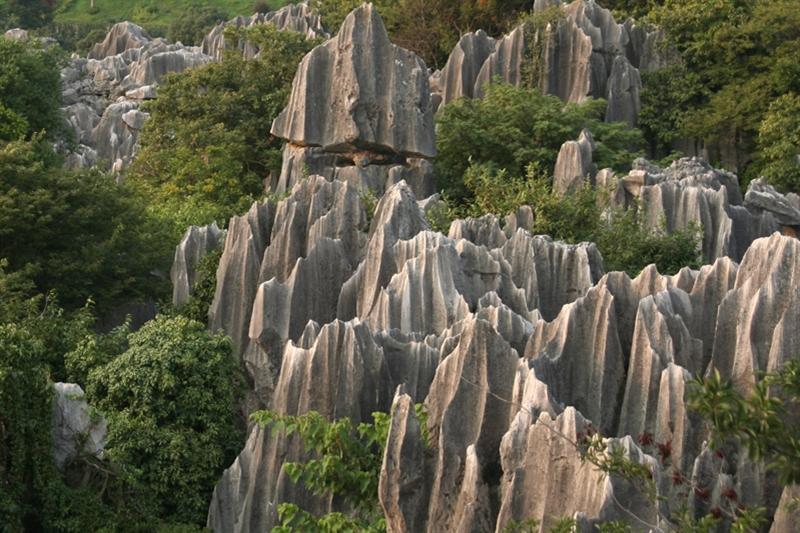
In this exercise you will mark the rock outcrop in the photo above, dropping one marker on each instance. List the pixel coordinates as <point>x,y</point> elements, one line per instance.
<point>574,164</point>
<point>77,430</point>
<point>126,68</point>
<point>522,350</point>
<point>375,127</point>
<point>581,53</point>
<point>298,17</point>
<point>195,244</point>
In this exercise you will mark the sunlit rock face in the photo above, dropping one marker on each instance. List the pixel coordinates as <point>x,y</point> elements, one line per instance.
<point>518,346</point>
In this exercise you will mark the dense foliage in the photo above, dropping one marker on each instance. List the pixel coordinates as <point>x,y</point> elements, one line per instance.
<point>345,465</point>
<point>207,149</point>
<point>194,25</point>
<point>30,90</point>
<point>763,420</point>
<point>513,127</point>
<point>79,233</point>
<point>737,57</point>
<point>431,27</point>
<point>25,13</point>
<point>170,402</point>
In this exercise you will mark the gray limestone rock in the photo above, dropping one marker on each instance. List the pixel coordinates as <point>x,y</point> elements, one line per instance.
<point>762,196</point>
<point>504,62</point>
<point>194,245</point>
<point>787,515</point>
<point>339,370</point>
<point>397,217</point>
<point>551,481</point>
<point>16,34</point>
<point>483,231</point>
<point>468,413</point>
<point>624,87</point>
<point>382,101</point>
<point>756,321</point>
<point>237,274</point>
<point>579,356</point>
<point>113,138</point>
<point>74,424</point>
<point>296,17</point>
<point>660,339</point>
<point>574,164</point>
<point>402,483</point>
<point>122,36</point>
<point>457,78</point>
<point>551,273</point>
<point>151,69</point>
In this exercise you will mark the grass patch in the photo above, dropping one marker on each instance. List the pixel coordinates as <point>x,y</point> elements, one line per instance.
<point>153,15</point>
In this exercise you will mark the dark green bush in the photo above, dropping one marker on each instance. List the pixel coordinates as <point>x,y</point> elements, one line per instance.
<point>170,402</point>
<point>81,234</point>
<point>512,127</point>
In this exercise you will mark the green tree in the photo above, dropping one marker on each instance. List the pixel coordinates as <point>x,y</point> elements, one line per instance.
<point>739,56</point>
<point>207,148</point>
<point>430,28</point>
<point>80,233</point>
<point>170,402</point>
<point>25,407</point>
<point>30,90</point>
<point>194,25</point>
<point>512,127</point>
<point>26,14</point>
<point>779,143</point>
<point>764,420</point>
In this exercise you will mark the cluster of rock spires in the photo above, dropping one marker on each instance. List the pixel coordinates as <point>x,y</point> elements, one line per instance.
<point>517,345</point>
<point>583,52</point>
<point>688,192</point>
<point>103,92</point>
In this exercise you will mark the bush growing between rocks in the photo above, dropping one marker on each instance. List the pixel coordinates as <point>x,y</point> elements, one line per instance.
<point>78,233</point>
<point>206,149</point>
<point>512,127</point>
<point>624,242</point>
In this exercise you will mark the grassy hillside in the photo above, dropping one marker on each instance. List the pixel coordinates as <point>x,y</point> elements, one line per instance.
<point>155,15</point>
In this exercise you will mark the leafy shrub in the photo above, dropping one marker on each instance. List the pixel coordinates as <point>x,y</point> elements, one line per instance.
<point>170,402</point>
<point>346,465</point>
<point>30,90</point>
<point>779,141</point>
<point>764,420</point>
<point>80,233</point>
<point>512,127</point>
<point>204,287</point>
<point>207,148</point>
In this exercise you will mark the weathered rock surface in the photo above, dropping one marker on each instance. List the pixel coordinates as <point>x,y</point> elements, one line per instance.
<point>583,53</point>
<point>691,192</point>
<point>549,480</point>
<point>761,196</point>
<point>382,101</point>
<point>296,17</point>
<point>574,164</point>
<point>195,244</point>
<point>122,36</point>
<point>519,347</point>
<point>126,69</point>
<point>457,78</point>
<point>76,428</point>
